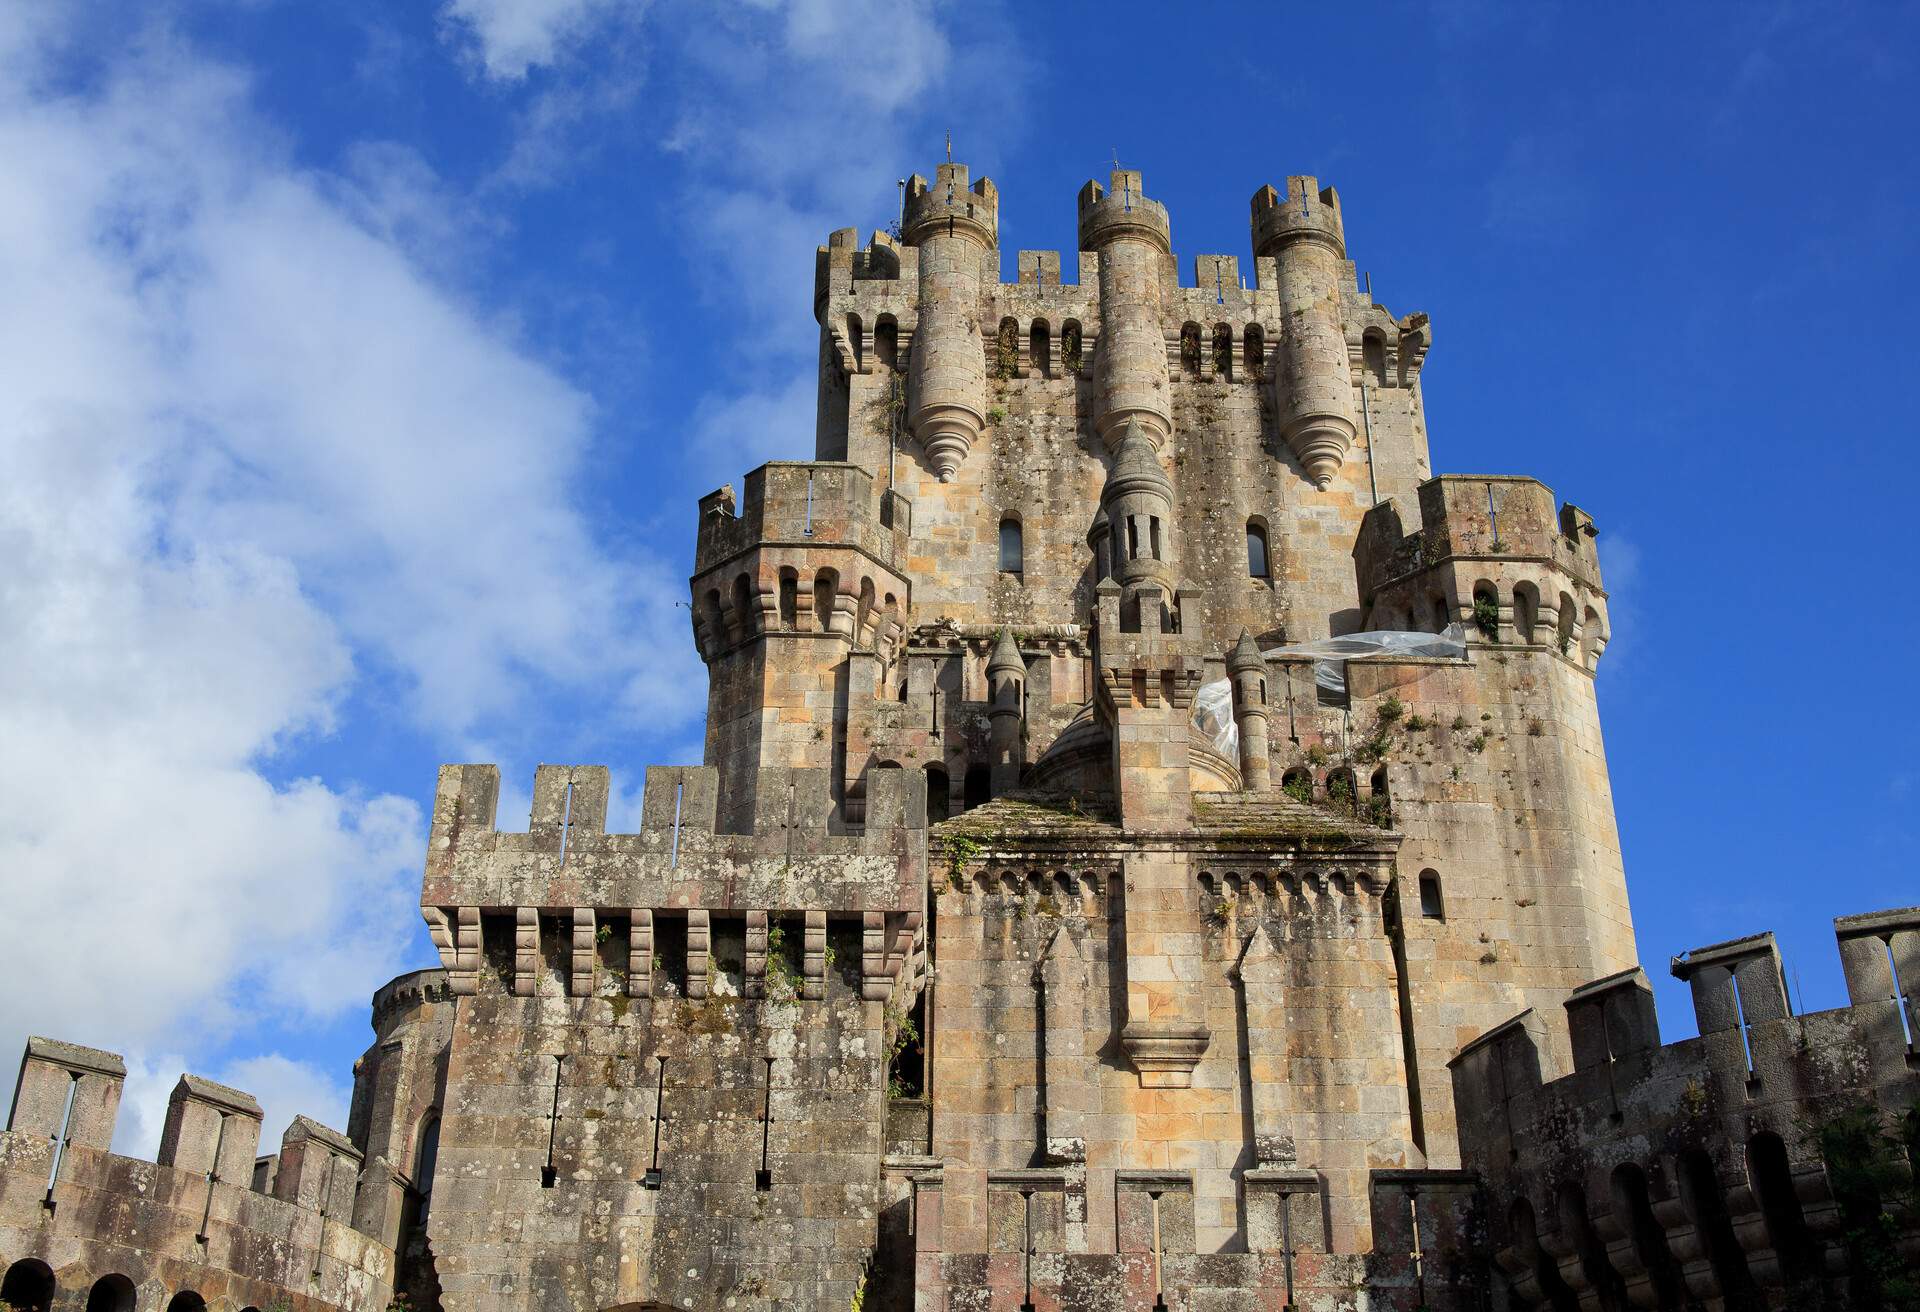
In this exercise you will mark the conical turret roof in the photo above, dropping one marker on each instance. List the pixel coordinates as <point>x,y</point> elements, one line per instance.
<point>1006,656</point>
<point>1245,654</point>
<point>1136,467</point>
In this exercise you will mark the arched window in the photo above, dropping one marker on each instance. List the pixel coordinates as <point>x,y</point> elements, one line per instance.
<point>746,614</point>
<point>426,1156</point>
<point>825,584</point>
<point>1591,639</point>
<point>1070,346</point>
<point>886,341</point>
<point>1526,611</point>
<point>937,801</point>
<point>1341,790</point>
<point>1565,625</point>
<point>1254,349</point>
<point>28,1286</point>
<point>789,599</point>
<point>1190,350</point>
<point>1526,1242</point>
<point>1040,348</point>
<point>1373,349</point>
<point>1222,351</point>
<point>863,614</point>
<point>112,1293</point>
<point>1577,1225</point>
<point>1257,567</point>
<point>1012,553</point>
<point>1431,907</point>
<point>856,343</point>
<point>187,1301</point>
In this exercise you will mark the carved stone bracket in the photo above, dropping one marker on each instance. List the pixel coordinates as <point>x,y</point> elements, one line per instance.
<point>1165,1052</point>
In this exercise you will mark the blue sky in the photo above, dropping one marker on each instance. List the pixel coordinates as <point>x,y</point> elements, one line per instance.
<point>363,361</point>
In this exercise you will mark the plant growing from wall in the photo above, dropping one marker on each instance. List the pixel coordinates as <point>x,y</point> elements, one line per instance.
<point>783,982</point>
<point>901,1034</point>
<point>1486,614</point>
<point>1871,1168</point>
<point>1316,755</point>
<point>1299,787</point>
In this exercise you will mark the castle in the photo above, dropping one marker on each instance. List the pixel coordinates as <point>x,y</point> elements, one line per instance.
<point>1155,850</point>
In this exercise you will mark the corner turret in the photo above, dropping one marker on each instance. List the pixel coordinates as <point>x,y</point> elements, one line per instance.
<point>1313,388</point>
<point>955,229</point>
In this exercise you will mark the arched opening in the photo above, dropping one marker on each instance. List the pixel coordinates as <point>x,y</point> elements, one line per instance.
<point>1373,349</point>
<point>1706,1206</point>
<point>1432,906</point>
<point>978,789</point>
<point>1486,610</point>
<point>1379,800</point>
<point>1564,628</point>
<point>863,615</point>
<point>856,343</point>
<point>1254,349</point>
<point>186,1301</point>
<point>1591,638</point>
<point>938,803</point>
<point>112,1293</point>
<point>789,599</point>
<point>1630,1201</point>
<point>1040,348</point>
<point>1222,351</point>
<point>1340,788</point>
<point>1190,349</point>
<point>1526,611</point>
<point>886,341</point>
<point>1442,613</point>
<point>1771,1175</point>
<point>28,1286</point>
<point>1070,346</point>
<point>1006,349</point>
<point>426,1156</point>
<point>1577,1226</point>
<point>825,584</point>
<point>1297,784</point>
<point>746,615</point>
<point>716,620</point>
<point>906,1071</point>
<point>1012,550</point>
<point>1546,1272</point>
<point>1257,565</point>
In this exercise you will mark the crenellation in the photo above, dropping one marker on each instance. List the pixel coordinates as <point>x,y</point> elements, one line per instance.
<point>1137,798</point>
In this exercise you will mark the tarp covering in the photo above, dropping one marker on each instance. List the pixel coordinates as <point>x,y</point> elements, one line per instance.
<point>1213,703</point>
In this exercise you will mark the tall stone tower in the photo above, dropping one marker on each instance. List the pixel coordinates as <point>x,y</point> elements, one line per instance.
<point>1134,784</point>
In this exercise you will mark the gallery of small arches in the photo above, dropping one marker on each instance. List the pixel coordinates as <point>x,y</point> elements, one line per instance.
<point>1673,1214</point>
<point>1522,616</point>
<point>30,1285</point>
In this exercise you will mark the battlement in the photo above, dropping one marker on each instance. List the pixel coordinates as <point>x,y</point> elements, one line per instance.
<point>407,993</point>
<point>191,1218</point>
<point>1124,212</point>
<point>1304,212</point>
<point>1494,557</point>
<point>949,205</point>
<point>802,503</point>
<point>1667,1144</point>
<point>841,263</point>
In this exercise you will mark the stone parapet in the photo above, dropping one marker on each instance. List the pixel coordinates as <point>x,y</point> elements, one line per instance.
<point>1696,1169</point>
<point>190,1222</point>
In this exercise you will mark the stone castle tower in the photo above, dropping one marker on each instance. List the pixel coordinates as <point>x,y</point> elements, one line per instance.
<point>1150,831</point>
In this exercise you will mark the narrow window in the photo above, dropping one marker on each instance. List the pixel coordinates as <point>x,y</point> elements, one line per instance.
<point>1040,348</point>
<point>1256,550</point>
<point>1374,349</point>
<point>1254,349</point>
<point>886,341</point>
<point>1153,528</point>
<point>1190,350</point>
<point>937,801</point>
<point>1430,905</point>
<point>1010,546</point>
<point>1223,351</point>
<point>1070,346</point>
<point>1133,537</point>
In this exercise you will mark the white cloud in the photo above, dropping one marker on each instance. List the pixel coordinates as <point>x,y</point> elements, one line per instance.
<point>509,37</point>
<point>254,450</point>
<point>284,1088</point>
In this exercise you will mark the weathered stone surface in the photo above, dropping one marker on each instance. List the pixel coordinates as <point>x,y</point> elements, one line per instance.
<point>1040,931</point>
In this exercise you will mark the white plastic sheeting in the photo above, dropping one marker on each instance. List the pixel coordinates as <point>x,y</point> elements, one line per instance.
<point>1213,703</point>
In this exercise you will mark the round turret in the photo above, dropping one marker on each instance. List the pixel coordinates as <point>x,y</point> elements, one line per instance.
<point>1303,213</point>
<point>1138,499</point>
<point>948,207</point>
<point>1133,238</point>
<point>1123,212</point>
